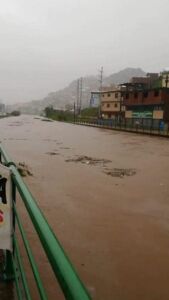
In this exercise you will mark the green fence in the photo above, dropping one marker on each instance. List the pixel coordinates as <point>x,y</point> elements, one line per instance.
<point>145,126</point>
<point>13,269</point>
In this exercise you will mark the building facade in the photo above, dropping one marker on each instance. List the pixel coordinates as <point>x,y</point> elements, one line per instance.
<point>153,103</point>
<point>165,79</point>
<point>144,97</point>
<point>112,104</point>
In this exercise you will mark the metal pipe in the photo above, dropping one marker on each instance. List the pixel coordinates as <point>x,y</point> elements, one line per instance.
<point>18,290</point>
<point>22,271</point>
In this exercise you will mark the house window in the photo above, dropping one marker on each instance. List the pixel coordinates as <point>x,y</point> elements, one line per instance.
<point>116,95</point>
<point>145,94</point>
<point>135,95</point>
<point>108,104</point>
<point>156,93</point>
<point>115,104</point>
<point>158,108</point>
<point>108,95</point>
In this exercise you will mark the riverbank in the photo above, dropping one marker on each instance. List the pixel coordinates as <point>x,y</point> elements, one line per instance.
<point>145,126</point>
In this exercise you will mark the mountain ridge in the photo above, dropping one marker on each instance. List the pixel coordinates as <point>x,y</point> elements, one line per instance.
<point>67,96</point>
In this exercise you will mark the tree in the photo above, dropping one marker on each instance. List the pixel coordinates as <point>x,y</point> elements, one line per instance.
<point>48,111</point>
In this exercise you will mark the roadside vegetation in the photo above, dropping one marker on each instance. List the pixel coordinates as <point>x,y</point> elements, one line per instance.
<point>15,113</point>
<point>59,115</point>
<point>90,112</point>
<point>69,115</point>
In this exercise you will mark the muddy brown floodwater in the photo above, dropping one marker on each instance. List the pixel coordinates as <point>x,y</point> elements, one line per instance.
<point>106,196</point>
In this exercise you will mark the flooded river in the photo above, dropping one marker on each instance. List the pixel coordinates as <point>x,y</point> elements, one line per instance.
<point>106,196</point>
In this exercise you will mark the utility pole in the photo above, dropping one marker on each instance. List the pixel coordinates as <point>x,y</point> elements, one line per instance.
<point>77,105</point>
<point>80,96</point>
<point>100,89</point>
<point>74,112</point>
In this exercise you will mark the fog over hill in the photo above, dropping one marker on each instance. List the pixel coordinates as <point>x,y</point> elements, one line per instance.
<point>124,76</point>
<point>68,95</point>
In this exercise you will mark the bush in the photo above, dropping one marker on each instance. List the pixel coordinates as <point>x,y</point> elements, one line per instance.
<point>59,115</point>
<point>15,113</point>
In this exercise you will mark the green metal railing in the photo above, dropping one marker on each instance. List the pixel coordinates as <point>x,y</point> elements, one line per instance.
<point>129,125</point>
<point>69,281</point>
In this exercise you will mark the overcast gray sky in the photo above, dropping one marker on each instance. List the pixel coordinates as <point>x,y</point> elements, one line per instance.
<point>45,44</point>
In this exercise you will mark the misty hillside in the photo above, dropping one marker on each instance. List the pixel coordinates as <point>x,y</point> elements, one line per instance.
<point>124,76</point>
<point>68,95</point>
